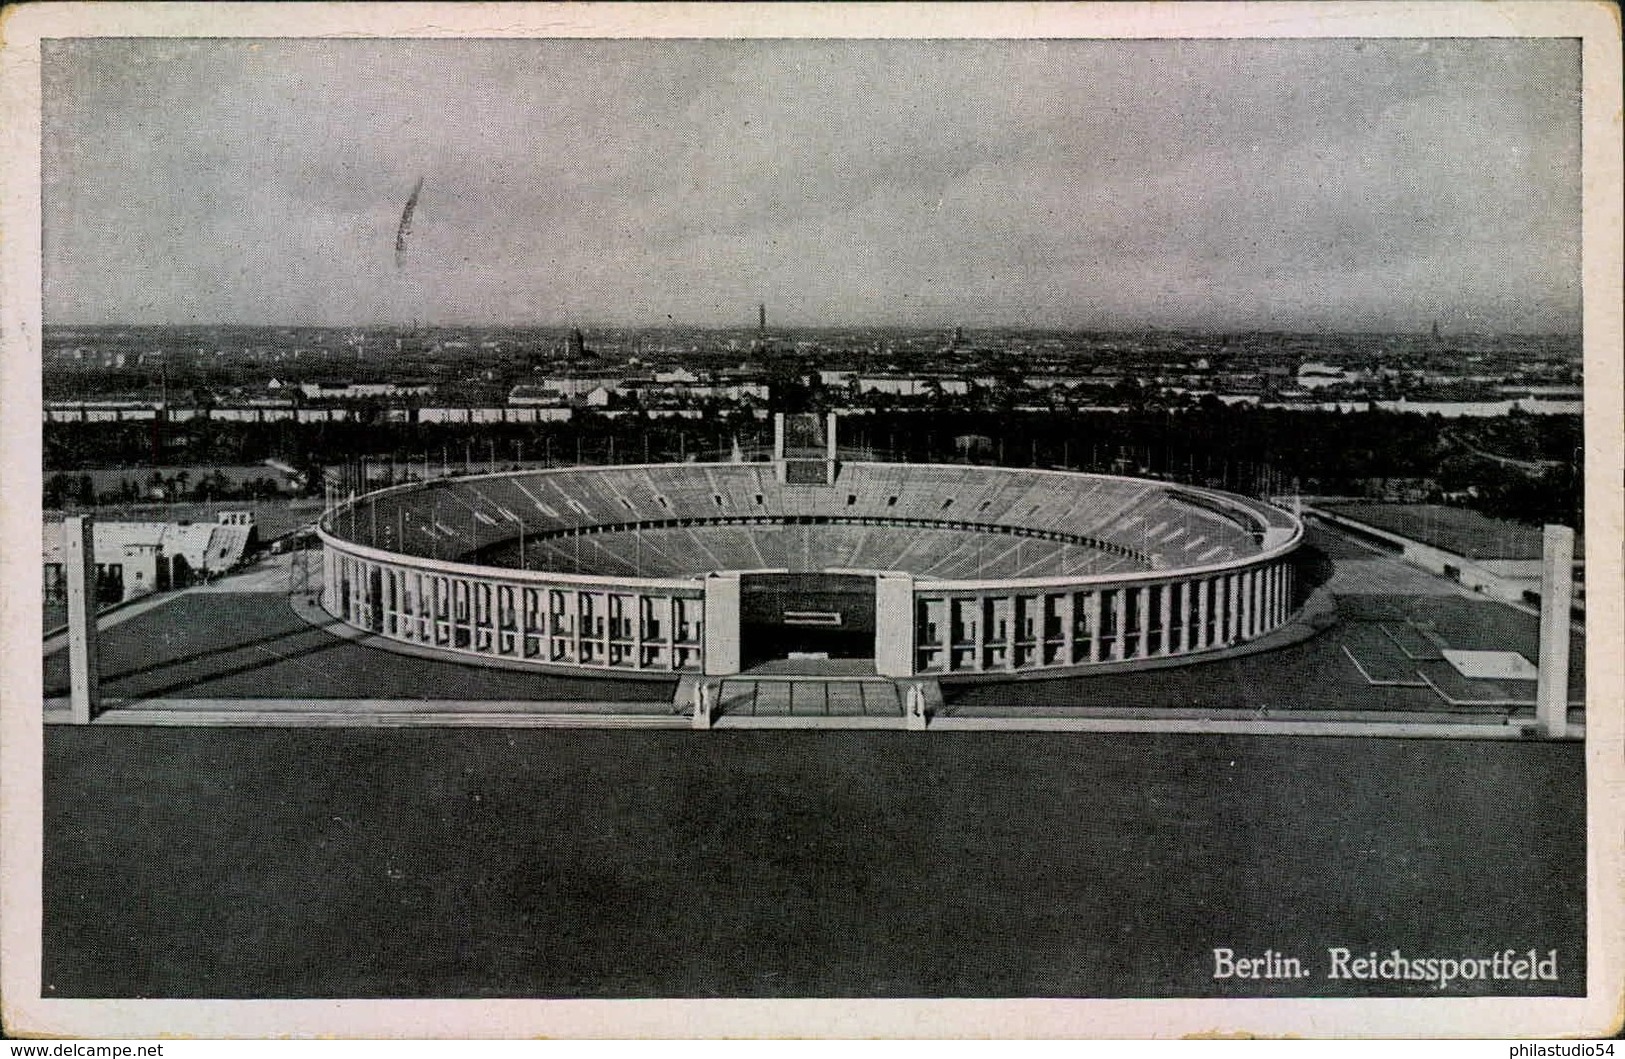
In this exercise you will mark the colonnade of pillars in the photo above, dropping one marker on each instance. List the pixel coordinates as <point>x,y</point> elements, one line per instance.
<point>1000,629</point>
<point>569,624</point>
<point>647,628</point>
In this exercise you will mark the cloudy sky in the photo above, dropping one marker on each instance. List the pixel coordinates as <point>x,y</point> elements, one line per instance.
<point>1277,184</point>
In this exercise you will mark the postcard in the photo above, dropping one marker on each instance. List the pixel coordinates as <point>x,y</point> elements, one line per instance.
<point>920,520</point>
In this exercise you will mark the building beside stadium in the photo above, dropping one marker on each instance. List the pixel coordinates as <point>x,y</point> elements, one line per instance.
<point>135,558</point>
<point>923,572</point>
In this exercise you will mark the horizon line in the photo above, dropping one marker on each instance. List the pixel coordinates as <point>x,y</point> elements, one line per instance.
<point>588,328</point>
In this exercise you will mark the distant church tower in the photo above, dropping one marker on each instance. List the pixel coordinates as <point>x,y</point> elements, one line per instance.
<point>761,318</point>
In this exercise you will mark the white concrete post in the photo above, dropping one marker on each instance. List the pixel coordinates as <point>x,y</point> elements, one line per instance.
<point>84,673</point>
<point>701,717</point>
<point>1556,597</point>
<point>914,707</point>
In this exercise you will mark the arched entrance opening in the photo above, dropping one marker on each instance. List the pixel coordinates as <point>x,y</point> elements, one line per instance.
<point>806,616</point>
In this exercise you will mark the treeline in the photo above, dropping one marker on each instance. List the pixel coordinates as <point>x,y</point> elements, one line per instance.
<point>74,446</point>
<point>63,488</point>
<point>1243,448</point>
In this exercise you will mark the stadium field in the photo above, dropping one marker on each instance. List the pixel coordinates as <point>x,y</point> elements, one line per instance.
<point>503,863</point>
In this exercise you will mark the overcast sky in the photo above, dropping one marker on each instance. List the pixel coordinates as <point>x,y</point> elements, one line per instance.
<point>1282,184</point>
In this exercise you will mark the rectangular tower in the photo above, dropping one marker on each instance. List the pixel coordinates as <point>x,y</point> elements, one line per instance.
<point>804,448</point>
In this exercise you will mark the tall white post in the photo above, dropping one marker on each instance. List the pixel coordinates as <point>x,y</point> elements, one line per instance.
<point>1556,597</point>
<point>84,673</point>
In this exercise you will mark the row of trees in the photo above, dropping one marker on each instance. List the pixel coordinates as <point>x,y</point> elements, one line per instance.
<point>1244,448</point>
<point>64,489</point>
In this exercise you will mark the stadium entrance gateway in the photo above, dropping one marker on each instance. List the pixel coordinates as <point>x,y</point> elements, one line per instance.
<point>764,616</point>
<point>806,615</point>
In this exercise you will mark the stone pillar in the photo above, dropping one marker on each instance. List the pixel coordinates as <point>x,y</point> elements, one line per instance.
<point>1203,590</point>
<point>980,607</point>
<point>1068,619</point>
<point>1246,630</point>
<point>1186,612</point>
<point>1097,650</point>
<point>1142,620</point>
<point>1188,591</point>
<point>721,625</point>
<point>1166,616</point>
<point>1556,597</point>
<point>894,625</point>
<point>1119,620</point>
<point>84,673</point>
<point>1266,599</point>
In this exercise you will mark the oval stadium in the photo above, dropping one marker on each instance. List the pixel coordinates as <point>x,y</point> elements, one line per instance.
<point>940,572</point>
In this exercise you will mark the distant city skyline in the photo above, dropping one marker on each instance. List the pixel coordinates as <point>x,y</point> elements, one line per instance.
<point>1306,185</point>
<point>591,328</point>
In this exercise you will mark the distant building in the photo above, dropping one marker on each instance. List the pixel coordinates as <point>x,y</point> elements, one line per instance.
<point>911,385</point>
<point>534,396</point>
<point>341,390</point>
<point>722,389</point>
<point>574,386</point>
<point>1314,376</point>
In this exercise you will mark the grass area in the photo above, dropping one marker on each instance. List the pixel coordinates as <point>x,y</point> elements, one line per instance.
<point>252,645</point>
<point>1454,529</point>
<point>469,863</point>
<point>1312,675</point>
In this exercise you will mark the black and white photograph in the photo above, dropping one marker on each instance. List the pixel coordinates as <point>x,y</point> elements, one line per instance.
<point>564,503</point>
